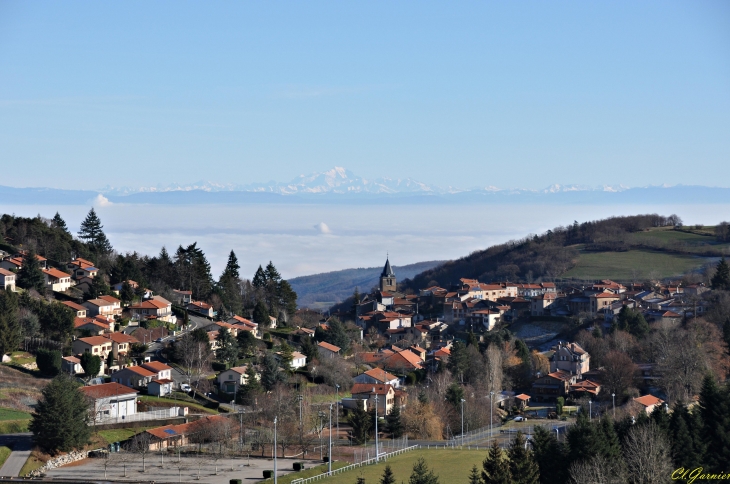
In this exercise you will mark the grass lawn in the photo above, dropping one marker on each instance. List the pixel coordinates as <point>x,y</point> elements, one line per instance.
<point>307,473</point>
<point>31,464</point>
<point>4,453</point>
<point>22,358</point>
<point>183,403</point>
<point>119,435</point>
<point>639,264</point>
<point>452,466</point>
<point>14,426</point>
<point>10,414</point>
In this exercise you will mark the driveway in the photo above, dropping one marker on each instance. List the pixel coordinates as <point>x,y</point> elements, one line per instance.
<point>21,445</point>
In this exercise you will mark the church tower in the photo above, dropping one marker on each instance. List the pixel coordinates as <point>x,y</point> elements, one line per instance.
<point>387,278</point>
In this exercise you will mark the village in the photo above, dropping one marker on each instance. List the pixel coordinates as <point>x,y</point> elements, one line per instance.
<point>441,365</point>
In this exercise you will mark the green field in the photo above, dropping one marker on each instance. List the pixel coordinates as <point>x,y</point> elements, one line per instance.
<point>10,414</point>
<point>182,403</point>
<point>633,264</point>
<point>452,467</point>
<point>120,435</point>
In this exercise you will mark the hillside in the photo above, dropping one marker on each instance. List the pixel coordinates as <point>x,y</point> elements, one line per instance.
<point>320,291</point>
<point>624,248</point>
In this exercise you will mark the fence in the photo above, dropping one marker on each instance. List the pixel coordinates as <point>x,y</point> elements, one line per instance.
<point>373,460</point>
<point>139,416</point>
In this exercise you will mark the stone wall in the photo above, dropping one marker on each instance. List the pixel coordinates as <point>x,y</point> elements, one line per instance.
<point>59,461</point>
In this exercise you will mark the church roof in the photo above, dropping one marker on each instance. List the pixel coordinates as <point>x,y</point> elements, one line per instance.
<point>387,270</point>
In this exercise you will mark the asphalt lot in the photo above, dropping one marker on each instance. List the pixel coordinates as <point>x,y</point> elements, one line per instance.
<point>21,445</point>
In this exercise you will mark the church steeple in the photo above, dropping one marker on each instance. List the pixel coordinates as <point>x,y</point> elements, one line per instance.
<point>387,277</point>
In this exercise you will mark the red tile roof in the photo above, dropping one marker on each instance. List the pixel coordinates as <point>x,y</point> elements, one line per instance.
<point>648,400</point>
<point>370,389</point>
<point>95,340</point>
<point>55,273</point>
<point>327,346</point>
<point>107,390</point>
<point>74,306</point>
<point>156,366</point>
<point>380,375</point>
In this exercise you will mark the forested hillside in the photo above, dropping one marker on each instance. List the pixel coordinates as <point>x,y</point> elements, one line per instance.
<point>553,254</point>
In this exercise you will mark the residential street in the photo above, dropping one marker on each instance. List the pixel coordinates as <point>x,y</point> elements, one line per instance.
<point>21,445</point>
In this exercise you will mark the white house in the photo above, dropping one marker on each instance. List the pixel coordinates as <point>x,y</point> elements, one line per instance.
<point>7,280</point>
<point>160,369</point>
<point>71,365</point>
<point>57,280</point>
<point>100,307</point>
<point>112,400</point>
<point>230,380</point>
<point>160,387</point>
<point>299,360</point>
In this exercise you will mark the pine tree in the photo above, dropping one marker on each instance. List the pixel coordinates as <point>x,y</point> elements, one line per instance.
<point>721,279</point>
<point>395,424</point>
<point>270,374</point>
<point>684,450</point>
<point>422,474</point>
<point>261,315</point>
<point>495,468</point>
<point>550,456</point>
<point>286,355</point>
<point>232,267</point>
<point>91,364</point>
<point>246,342</point>
<point>110,359</point>
<point>98,287</point>
<point>612,445</point>
<point>59,223</point>
<point>474,476</point>
<point>228,350</point>
<point>259,279</point>
<point>272,275</point>
<point>522,464</point>
<point>10,331</point>
<point>248,392</point>
<point>30,275</point>
<point>309,349</point>
<point>388,477</point>
<point>91,232</point>
<point>60,419</point>
<point>715,411</point>
<point>127,292</point>
<point>361,423</point>
<point>337,334</point>
<point>48,361</point>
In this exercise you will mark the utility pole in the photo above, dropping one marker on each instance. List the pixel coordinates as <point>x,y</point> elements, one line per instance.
<point>337,409</point>
<point>491,407</point>
<point>462,422</point>
<point>329,451</point>
<point>613,397</point>
<point>300,398</point>
<point>377,451</point>
<point>276,481</point>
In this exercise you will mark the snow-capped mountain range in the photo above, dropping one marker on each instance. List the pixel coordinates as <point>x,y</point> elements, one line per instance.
<point>340,180</point>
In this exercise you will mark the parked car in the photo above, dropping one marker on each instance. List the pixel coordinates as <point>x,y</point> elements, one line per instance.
<point>158,340</point>
<point>185,387</point>
<point>520,419</point>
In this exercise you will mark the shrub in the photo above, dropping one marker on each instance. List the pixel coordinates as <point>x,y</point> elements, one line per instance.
<point>219,366</point>
<point>268,474</point>
<point>299,466</point>
<point>235,481</point>
<point>49,361</point>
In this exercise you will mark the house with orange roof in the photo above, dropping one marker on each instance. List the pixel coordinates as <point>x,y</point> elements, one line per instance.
<point>82,268</point>
<point>327,350</point>
<point>160,388</point>
<point>7,280</point>
<point>601,301</point>
<point>244,324</point>
<point>96,345</point>
<point>540,304</point>
<point>57,280</point>
<point>230,380</point>
<point>77,308</point>
<point>585,387</point>
<point>121,343</point>
<point>116,305</point>
<point>180,435</point>
<point>101,307</point>
<point>90,326</point>
<point>377,376</point>
<point>201,307</point>
<point>71,365</point>
<point>367,393</point>
<point>161,370</point>
<point>402,362</point>
<point>553,385</point>
<point>155,308</point>
<point>134,376</point>
<point>649,403</point>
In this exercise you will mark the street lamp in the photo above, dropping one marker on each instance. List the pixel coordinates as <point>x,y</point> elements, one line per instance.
<point>329,448</point>
<point>557,433</point>
<point>240,431</point>
<point>321,426</point>
<point>275,477</point>
<point>613,397</point>
<point>377,450</point>
<point>462,422</point>
<point>590,410</point>
<point>300,398</point>
<point>337,409</point>
<point>491,407</point>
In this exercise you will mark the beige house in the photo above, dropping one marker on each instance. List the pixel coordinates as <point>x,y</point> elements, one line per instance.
<point>571,358</point>
<point>230,380</point>
<point>201,308</point>
<point>540,304</point>
<point>121,343</point>
<point>377,376</point>
<point>649,403</point>
<point>94,327</point>
<point>116,303</point>
<point>155,308</point>
<point>100,307</point>
<point>77,308</point>
<point>7,280</point>
<point>56,280</point>
<point>134,376</point>
<point>385,396</point>
<point>96,345</point>
<point>601,301</point>
<point>327,350</point>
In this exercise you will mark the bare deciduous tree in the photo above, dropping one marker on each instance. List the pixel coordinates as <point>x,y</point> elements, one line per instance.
<point>647,455</point>
<point>598,470</point>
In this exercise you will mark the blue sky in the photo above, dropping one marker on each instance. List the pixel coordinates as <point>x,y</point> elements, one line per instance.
<point>510,94</point>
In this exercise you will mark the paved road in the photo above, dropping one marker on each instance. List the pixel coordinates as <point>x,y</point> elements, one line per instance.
<point>21,445</point>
